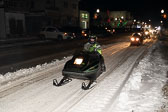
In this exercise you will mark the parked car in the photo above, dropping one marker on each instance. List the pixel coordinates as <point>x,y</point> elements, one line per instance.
<point>54,33</point>
<point>136,39</point>
<point>85,33</point>
<point>73,31</point>
<point>70,33</point>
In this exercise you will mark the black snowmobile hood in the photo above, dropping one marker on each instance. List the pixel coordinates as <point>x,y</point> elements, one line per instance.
<point>90,60</point>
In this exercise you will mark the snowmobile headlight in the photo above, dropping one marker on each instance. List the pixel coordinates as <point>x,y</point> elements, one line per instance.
<point>78,61</point>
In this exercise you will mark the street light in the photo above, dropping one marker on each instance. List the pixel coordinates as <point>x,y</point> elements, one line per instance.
<point>162,11</point>
<point>98,10</point>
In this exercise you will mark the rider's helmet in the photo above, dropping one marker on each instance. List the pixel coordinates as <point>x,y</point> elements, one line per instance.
<point>92,39</point>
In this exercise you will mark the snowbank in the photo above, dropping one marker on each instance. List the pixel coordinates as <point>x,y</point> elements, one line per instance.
<point>143,91</point>
<point>11,76</point>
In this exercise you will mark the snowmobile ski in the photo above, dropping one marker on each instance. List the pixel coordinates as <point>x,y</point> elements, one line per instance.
<point>63,81</point>
<point>88,86</point>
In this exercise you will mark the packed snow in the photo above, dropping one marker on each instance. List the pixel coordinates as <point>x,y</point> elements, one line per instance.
<point>142,92</point>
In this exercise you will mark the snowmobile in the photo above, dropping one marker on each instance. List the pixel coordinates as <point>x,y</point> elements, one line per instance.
<point>84,66</point>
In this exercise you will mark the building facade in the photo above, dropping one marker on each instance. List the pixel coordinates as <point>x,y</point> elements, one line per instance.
<point>119,19</point>
<point>60,12</point>
<point>2,23</point>
<point>84,19</point>
<point>12,16</point>
<point>29,16</point>
<point>115,19</point>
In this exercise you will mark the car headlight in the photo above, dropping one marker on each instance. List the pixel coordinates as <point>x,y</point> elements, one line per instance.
<point>132,39</point>
<point>78,61</point>
<point>65,34</point>
<point>146,33</point>
<point>85,34</point>
<point>137,39</point>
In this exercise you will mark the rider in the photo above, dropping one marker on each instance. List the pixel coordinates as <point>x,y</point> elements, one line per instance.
<point>92,45</point>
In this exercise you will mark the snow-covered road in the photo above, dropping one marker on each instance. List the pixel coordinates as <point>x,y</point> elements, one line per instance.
<point>31,90</point>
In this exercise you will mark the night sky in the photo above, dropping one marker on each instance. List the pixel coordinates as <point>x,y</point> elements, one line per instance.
<point>140,9</point>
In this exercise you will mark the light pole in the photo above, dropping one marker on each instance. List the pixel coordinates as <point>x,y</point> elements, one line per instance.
<point>164,21</point>
<point>97,17</point>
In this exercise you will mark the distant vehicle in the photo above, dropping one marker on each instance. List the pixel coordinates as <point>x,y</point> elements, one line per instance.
<point>147,34</point>
<point>54,33</point>
<point>71,33</point>
<point>73,30</point>
<point>101,31</point>
<point>85,33</point>
<point>76,31</point>
<point>136,39</point>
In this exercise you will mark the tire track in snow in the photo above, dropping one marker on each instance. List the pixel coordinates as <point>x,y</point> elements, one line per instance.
<point>95,100</point>
<point>22,81</point>
<point>72,102</point>
<point>67,97</point>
